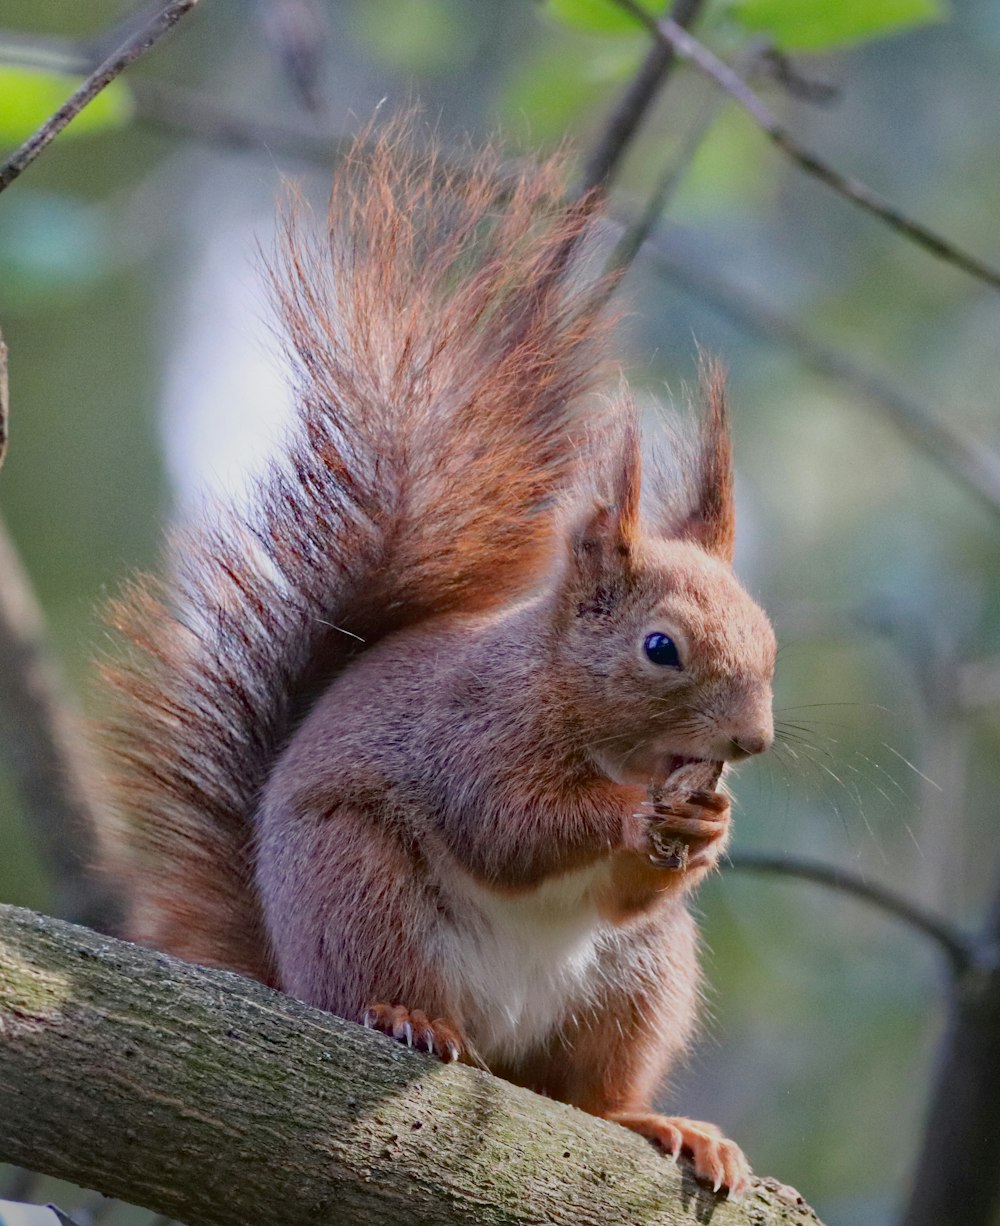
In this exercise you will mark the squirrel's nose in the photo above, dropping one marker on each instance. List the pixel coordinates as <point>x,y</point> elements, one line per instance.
<point>749,743</point>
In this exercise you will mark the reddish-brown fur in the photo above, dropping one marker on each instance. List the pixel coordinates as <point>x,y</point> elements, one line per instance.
<point>391,745</point>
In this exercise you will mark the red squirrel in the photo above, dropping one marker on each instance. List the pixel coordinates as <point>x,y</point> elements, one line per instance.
<point>431,737</point>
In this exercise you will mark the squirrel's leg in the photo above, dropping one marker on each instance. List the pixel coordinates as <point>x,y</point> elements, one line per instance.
<point>618,1080</point>
<point>352,915</point>
<point>612,1058</point>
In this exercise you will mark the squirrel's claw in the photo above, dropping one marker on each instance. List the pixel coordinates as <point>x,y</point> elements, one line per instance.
<point>714,802</point>
<point>717,1161</point>
<point>438,1037</point>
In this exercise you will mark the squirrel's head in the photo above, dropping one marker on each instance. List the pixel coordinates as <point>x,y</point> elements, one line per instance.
<point>664,656</point>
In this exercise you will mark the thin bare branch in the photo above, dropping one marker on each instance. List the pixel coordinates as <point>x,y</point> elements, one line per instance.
<point>780,69</point>
<point>951,940</point>
<point>967,460</point>
<point>684,45</point>
<point>106,42</point>
<point>131,50</point>
<point>643,225</point>
<point>635,104</point>
<point>181,109</point>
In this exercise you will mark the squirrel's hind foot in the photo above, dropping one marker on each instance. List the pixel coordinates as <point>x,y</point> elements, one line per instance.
<point>717,1161</point>
<point>413,1027</point>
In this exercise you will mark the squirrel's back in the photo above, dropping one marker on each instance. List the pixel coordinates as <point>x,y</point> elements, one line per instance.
<point>441,344</point>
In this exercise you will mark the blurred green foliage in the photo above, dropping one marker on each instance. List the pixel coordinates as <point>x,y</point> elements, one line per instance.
<point>603,16</point>
<point>818,25</point>
<point>29,97</point>
<point>882,573</point>
<point>795,26</point>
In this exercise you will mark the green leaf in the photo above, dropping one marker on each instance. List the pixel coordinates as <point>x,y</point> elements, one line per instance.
<point>28,98</point>
<point>600,16</point>
<point>817,25</point>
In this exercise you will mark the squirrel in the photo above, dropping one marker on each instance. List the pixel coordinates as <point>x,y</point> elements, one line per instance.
<point>432,737</point>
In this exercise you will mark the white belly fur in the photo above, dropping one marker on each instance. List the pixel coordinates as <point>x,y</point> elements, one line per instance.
<point>524,961</point>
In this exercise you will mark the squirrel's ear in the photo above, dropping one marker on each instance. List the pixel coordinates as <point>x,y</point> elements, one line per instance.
<point>603,540</point>
<point>710,518</point>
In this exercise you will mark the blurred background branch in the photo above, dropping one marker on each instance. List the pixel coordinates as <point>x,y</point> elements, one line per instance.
<point>958,949</point>
<point>192,113</point>
<point>41,745</point>
<point>40,741</point>
<point>634,105</point>
<point>670,34</point>
<point>967,460</point>
<point>960,1153</point>
<point>298,33</point>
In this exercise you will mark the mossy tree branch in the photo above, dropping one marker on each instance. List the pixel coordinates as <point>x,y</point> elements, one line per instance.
<point>213,1099</point>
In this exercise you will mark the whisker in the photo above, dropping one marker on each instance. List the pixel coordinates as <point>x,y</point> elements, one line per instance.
<point>783,736</point>
<point>804,735</point>
<point>879,767</point>
<point>801,732</point>
<point>913,768</point>
<point>889,800</point>
<point>808,754</point>
<point>810,728</point>
<point>853,792</point>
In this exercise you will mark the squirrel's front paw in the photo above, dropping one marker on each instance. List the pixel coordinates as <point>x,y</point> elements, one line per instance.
<point>413,1027</point>
<point>717,1161</point>
<point>686,831</point>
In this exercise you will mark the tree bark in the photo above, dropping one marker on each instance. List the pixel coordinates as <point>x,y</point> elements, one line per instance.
<point>213,1099</point>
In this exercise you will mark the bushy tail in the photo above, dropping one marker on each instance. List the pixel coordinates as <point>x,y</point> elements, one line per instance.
<point>442,337</point>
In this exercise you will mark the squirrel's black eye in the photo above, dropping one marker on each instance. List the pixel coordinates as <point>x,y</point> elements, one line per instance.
<point>662,650</point>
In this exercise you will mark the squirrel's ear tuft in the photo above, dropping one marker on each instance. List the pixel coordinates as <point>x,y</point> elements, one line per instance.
<point>604,539</point>
<point>710,517</point>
